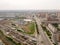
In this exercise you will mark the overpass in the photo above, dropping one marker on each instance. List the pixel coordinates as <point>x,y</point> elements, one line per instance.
<point>47,22</point>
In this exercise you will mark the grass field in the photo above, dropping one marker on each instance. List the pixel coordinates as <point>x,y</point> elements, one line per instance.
<point>31,27</point>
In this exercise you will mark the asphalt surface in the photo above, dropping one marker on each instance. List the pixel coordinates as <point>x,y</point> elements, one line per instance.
<point>41,33</point>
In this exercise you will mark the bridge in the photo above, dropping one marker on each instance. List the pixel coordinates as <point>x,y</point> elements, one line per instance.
<point>7,17</point>
<point>51,22</point>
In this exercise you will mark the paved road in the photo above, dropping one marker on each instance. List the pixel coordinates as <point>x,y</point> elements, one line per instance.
<point>41,33</point>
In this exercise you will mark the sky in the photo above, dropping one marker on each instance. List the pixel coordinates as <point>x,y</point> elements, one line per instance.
<point>29,4</point>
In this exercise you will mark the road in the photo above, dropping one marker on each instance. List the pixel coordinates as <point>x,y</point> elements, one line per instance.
<point>41,33</point>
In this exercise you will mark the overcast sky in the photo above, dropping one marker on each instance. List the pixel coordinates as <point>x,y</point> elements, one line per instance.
<point>29,4</point>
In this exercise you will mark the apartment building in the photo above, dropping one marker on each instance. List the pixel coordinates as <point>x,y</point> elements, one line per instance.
<point>51,18</point>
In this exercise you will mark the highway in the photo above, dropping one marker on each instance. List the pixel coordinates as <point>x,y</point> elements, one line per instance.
<point>41,33</point>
